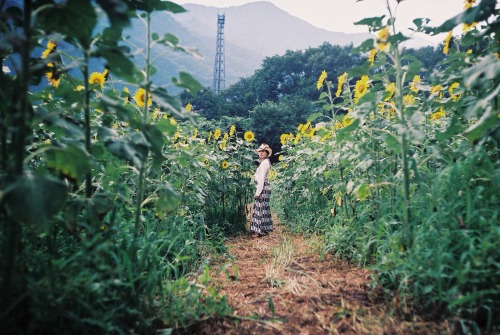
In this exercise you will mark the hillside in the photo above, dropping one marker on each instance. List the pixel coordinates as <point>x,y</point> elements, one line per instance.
<point>252,32</point>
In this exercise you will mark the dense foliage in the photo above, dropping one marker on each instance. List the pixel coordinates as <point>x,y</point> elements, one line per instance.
<point>115,197</point>
<point>281,94</point>
<point>407,180</point>
<point>112,202</point>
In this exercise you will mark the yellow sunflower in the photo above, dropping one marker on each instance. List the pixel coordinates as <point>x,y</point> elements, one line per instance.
<point>408,99</point>
<point>249,136</point>
<point>53,76</point>
<point>340,82</point>
<point>224,165</point>
<point>217,134</point>
<point>468,3</point>
<point>446,47</point>
<point>51,47</point>
<point>391,88</point>
<point>189,107</point>
<point>361,88</point>
<point>438,115</point>
<point>97,78</point>
<point>371,56</point>
<point>414,84</point>
<point>321,79</point>
<point>347,120</point>
<point>140,97</point>
<point>382,37</point>
<point>232,129</point>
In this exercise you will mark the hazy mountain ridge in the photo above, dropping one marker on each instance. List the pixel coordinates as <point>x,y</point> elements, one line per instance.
<point>262,27</point>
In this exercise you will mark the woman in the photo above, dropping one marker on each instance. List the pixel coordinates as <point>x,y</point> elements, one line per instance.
<point>261,214</point>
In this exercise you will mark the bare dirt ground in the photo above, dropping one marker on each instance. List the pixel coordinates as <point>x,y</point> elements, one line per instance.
<point>283,286</point>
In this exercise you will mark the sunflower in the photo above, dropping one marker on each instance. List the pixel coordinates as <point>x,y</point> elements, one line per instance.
<point>232,129</point>
<point>414,84</point>
<point>436,89</point>
<point>140,97</point>
<point>391,88</point>
<point>53,76</point>
<point>321,79</point>
<point>371,56</point>
<point>340,82</point>
<point>468,3</point>
<point>382,37</point>
<point>97,78</point>
<point>249,136</point>
<point>189,107</point>
<point>297,138</point>
<point>438,115</point>
<point>280,158</point>
<point>408,99</point>
<point>452,88</point>
<point>361,88</point>
<point>468,26</point>
<point>446,43</point>
<point>224,165</point>
<point>217,134</point>
<point>347,120</point>
<point>51,47</point>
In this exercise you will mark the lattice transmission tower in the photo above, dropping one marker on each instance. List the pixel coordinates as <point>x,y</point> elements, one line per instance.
<point>219,68</point>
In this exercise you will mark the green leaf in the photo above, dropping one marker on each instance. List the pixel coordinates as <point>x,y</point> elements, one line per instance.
<point>487,121</point>
<point>314,116</point>
<point>363,192</point>
<point>72,161</point>
<point>398,38</point>
<point>373,22</point>
<point>34,199</point>
<point>119,62</point>
<point>134,147</point>
<point>366,46</point>
<point>117,11</point>
<point>478,13</point>
<point>155,138</point>
<point>73,18</point>
<point>157,5</point>
<point>188,82</point>
<point>168,200</point>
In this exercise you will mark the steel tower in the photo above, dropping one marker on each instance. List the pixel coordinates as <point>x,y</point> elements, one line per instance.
<point>219,68</point>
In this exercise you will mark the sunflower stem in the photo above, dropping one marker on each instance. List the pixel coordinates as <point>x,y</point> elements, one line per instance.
<point>140,191</point>
<point>404,132</point>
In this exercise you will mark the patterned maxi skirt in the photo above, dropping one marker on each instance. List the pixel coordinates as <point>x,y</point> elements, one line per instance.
<point>261,212</point>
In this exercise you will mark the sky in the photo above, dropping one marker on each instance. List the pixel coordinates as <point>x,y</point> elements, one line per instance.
<point>340,15</point>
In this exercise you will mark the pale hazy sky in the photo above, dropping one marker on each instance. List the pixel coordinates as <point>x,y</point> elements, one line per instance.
<point>340,15</point>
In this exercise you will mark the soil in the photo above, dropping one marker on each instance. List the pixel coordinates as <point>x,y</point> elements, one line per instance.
<point>283,285</point>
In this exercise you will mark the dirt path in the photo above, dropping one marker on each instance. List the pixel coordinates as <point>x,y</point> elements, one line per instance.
<point>283,286</point>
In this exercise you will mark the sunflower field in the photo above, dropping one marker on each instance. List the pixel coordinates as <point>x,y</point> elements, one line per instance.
<point>112,201</point>
<point>401,172</point>
<point>115,197</point>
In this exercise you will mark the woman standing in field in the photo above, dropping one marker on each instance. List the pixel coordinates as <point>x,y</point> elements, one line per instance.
<point>261,213</point>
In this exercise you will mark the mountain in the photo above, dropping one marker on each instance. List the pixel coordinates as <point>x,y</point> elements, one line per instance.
<point>251,32</point>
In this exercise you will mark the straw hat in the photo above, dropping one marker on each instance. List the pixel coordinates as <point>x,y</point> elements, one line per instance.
<point>265,147</point>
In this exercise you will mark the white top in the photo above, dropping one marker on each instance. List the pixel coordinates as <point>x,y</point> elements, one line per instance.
<point>261,175</point>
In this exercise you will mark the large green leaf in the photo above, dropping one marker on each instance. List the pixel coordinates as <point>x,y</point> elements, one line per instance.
<point>188,82</point>
<point>34,199</point>
<point>134,147</point>
<point>478,13</point>
<point>72,18</point>
<point>157,5</point>
<point>117,11</point>
<point>72,161</point>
